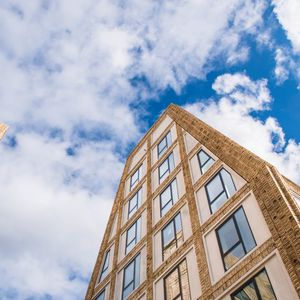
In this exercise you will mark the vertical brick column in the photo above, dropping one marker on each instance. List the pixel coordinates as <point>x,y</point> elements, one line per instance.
<point>149,224</point>
<point>194,217</point>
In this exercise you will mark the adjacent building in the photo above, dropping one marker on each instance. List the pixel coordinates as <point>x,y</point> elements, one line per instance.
<point>3,129</point>
<point>197,216</point>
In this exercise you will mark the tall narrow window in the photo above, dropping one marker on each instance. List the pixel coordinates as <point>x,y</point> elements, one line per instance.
<point>166,167</point>
<point>136,177</point>
<point>205,161</point>
<point>131,277</point>
<point>105,266</point>
<point>235,238</point>
<point>219,189</point>
<point>259,287</point>
<point>176,283</point>
<point>164,144</point>
<point>172,236</point>
<point>168,197</point>
<point>101,296</point>
<point>134,203</point>
<point>133,235</point>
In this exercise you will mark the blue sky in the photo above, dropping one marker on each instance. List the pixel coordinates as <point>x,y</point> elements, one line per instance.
<point>82,82</point>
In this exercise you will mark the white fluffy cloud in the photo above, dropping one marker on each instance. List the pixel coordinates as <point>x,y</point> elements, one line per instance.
<point>230,113</point>
<point>288,12</point>
<point>67,70</point>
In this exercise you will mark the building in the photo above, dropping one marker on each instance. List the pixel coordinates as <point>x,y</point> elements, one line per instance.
<point>197,216</point>
<point>3,129</point>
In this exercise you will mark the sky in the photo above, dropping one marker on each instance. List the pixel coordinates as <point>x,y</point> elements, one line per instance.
<point>82,81</point>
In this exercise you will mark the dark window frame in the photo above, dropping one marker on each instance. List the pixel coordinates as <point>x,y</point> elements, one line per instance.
<point>174,228</point>
<point>223,255</point>
<point>172,196</point>
<point>129,213</point>
<point>104,269</point>
<point>179,279</point>
<point>100,294</point>
<point>252,280</point>
<point>223,186</point>
<point>168,169</point>
<point>133,277</point>
<point>159,153</point>
<point>132,184</point>
<point>199,160</point>
<point>135,240</point>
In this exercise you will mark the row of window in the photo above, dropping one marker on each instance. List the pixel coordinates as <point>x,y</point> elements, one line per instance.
<point>176,284</point>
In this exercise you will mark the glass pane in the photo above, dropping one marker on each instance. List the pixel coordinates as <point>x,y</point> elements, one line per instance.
<point>101,296</point>
<point>229,186</point>
<point>168,234</point>
<point>171,162</point>
<point>203,157</point>
<point>162,146</point>
<point>169,139</point>
<point>244,230</point>
<point>172,285</point>
<point>127,291</point>
<point>139,198</point>
<point>178,223</point>
<point>207,165</point>
<point>163,170</point>
<point>228,235</point>
<point>218,202</point>
<point>129,274</point>
<point>214,188</point>
<point>131,233</point>
<point>165,196</point>
<point>138,230</point>
<point>166,208</point>
<point>264,286</point>
<point>235,255</point>
<point>174,190</point>
<point>137,271</point>
<point>135,177</point>
<point>133,205</point>
<point>247,293</point>
<point>184,281</point>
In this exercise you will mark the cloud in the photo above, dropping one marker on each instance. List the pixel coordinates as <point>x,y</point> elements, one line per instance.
<point>231,112</point>
<point>287,12</point>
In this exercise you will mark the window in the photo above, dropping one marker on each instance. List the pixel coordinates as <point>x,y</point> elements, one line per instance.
<point>164,144</point>
<point>131,277</point>
<point>205,161</point>
<point>166,167</point>
<point>235,238</point>
<point>134,203</point>
<point>101,296</point>
<point>259,287</point>
<point>172,236</point>
<point>133,235</point>
<point>176,283</point>
<point>219,189</point>
<point>105,266</point>
<point>136,177</point>
<point>168,197</point>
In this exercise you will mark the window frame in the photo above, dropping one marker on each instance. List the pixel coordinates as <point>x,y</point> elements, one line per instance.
<point>249,281</point>
<point>134,276</point>
<point>102,274</point>
<point>135,224</point>
<point>102,292</point>
<point>223,255</point>
<point>130,212</point>
<point>179,278</point>
<point>199,160</point>
<point>138,170</point>
<point>175,233</point>
<point>172,196</point>
<point>160,153</point>
<point>168,169</point>
<point>218,173</point>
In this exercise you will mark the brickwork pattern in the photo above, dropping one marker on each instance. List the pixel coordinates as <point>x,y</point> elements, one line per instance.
<point>271,190</point>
